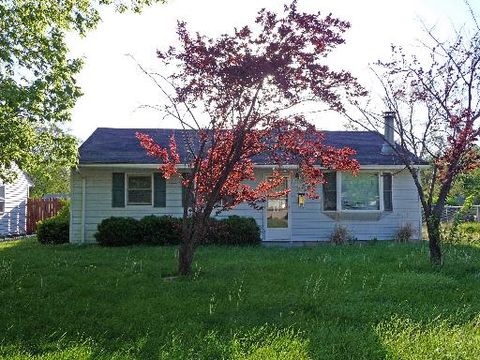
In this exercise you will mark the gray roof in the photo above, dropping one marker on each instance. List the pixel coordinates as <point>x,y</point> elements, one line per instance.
<point>120,146</point>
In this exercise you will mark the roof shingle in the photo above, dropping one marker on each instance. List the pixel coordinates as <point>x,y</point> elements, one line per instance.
<point>120,146</point>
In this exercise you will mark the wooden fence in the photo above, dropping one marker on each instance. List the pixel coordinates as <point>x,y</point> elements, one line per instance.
<point>40,209</point>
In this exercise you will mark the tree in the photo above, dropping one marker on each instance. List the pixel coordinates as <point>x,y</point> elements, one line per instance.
<point>466,186</point>
<point>246,88</point>
<point>37,78</point>
<point>51,179</point>
<point>434,97</point>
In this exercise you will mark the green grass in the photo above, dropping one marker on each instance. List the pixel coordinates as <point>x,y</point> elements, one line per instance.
<point>374,301</point>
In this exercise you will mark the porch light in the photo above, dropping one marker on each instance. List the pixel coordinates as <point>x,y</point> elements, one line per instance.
<point>301,199</point>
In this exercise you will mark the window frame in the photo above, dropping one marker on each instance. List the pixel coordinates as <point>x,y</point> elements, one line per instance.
<point>336,192</point>
<point>383,173</point>
<point>287,200</point>
<point>127,188</point>
<point>381,199</point>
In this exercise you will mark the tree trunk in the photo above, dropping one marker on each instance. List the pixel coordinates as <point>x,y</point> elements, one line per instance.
<point>192,235</point>
<point>433,227</point>
<point>185,257</point>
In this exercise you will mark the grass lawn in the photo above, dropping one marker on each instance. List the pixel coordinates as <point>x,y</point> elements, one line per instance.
<point>347,302</point>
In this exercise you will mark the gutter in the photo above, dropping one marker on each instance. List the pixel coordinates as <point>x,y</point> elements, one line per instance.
<point>258,166</point>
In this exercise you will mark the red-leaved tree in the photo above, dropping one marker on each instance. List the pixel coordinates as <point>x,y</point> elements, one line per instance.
<point>434,95</point>
<point>239,95</point>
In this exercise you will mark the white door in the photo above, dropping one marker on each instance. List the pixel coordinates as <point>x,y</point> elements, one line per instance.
<point>277,214</point>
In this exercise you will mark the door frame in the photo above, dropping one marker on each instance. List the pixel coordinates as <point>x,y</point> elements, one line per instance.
<point>281,231</point>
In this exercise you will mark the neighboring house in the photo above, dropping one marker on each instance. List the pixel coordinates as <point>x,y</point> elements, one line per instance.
<point>115,177</point>
<point>13,205</point>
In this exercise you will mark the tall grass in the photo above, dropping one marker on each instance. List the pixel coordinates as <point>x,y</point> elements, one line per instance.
<point>374,301</point>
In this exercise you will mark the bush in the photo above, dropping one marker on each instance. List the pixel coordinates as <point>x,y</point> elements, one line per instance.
<point>341,235</point>
<point>404,233</point>
<point>166,230</point>
<point>118,231</point>
<point>470,228</point>
<point>237,230</point>
<point>234,230</point>
<point>55,230</point>
<point>161,230</point>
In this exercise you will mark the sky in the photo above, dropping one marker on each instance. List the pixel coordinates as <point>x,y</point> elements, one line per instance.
<point>115,89</point>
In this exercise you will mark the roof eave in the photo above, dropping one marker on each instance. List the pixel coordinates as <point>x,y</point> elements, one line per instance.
<point>258,166</point>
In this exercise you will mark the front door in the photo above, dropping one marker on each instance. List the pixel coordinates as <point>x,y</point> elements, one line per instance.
<point>277,217</point>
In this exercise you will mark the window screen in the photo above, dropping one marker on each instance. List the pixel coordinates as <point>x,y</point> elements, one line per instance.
<point>139,190</point>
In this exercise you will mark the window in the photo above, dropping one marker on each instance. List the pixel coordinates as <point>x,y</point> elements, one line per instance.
<point>2,199</point>
<point>360,192</point>
<point>277,209</point>
<point>387,192</point>
<point>368,191</point>
<point>139,190</point>
<point>330,192</point>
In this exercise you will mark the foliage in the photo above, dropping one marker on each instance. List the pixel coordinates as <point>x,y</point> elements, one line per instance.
<point>467,233</point>
<point>167,230</point>
<point>119,231</point>
<point>49,179</point>
<point>461,215</point>
<point>244,83</point>
<point>233,230</point>
<point>405,233</point>
<point>38,88</point>
<point>325,302</point>
<point>55,230</point>
<point>470,228</point>
<point>467,185</point>
<point>340,235</point>
<point>433,95</point>
<point>160,230</point>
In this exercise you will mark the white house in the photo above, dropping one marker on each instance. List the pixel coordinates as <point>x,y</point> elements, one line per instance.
<point>13,205</point>
<point>115,177</point>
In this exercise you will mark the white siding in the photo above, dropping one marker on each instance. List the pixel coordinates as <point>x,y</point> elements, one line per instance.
<point>308,223</point>
<point>13,220</point>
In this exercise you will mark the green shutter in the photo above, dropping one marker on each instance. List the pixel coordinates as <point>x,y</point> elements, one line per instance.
<point>159,190</point>
<point>118,190</point>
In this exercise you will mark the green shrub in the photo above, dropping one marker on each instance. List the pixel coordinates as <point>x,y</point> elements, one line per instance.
<point>234,230</point>
<point>470,228</point>
<point>161,230</point>
<point>55,230</point>
<point>119,231</point>
<point>166,230</point>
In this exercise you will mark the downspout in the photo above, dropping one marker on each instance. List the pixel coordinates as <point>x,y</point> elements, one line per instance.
<point>84,190</point>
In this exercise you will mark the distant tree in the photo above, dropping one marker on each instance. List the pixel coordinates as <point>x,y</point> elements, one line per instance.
<point>471,185</point>
<point>435,97</point>
<point>37,77</point>
<point>49,179</point>
<point>246,88</point>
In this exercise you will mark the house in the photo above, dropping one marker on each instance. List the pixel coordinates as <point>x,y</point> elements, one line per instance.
<point>115,177</point>
<point>13,205</point>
